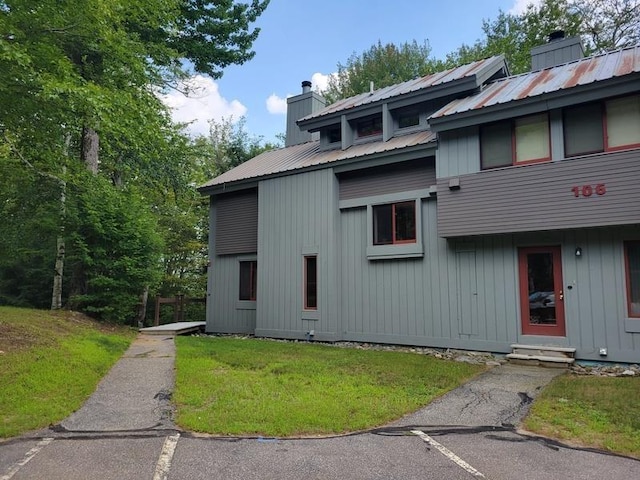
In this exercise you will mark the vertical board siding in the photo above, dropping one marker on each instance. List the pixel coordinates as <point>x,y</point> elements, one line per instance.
<point>298,215</point>
<point>413,175</point>
<point>224,316</point>
<point>458,152</point>
<point>236,226</point>
<point>540,197</point>
<point>427,302</point>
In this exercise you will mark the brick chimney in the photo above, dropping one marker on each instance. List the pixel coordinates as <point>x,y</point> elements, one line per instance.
<point>306,103</point>
<point>557,51</point>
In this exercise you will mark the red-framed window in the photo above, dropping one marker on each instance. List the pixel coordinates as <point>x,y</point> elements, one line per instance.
<point>248,280</point>
<point>394,223</point>
<point>310,287</point>
<point>632,271</point>
<point>519,141</point>
<point>605,126</point>
<point>369,127</point>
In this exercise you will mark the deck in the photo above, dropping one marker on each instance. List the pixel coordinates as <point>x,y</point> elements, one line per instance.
<point>178,328</point>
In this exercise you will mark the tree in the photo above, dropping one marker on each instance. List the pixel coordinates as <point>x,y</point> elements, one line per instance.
<point>383,65</point>
<point>603,25</point>
<point>609,24</point>
<point>77,91</point>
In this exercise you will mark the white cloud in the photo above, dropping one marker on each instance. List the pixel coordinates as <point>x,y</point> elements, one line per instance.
<point>203,103</point>
<point>520,6</point>
<point>277,105</point>
<point>320,81</point>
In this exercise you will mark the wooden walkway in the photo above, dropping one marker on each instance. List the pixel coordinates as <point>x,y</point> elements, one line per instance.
<point>178,328</point>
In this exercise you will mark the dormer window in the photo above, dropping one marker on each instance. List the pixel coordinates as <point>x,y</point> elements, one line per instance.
<point>409,119</point>
<point>334,135</point>
<point>369,127</point>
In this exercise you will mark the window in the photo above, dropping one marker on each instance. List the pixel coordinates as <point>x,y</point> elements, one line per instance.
<point>369,127</point>
<point>394,223</point>
<point>583,129</point>
<point>310,290</point>
<point>409,119</point>
<point>522,140</point>
<point>248,280</point>
<point>334,135</point>
<point>623,122</point>
<point>602,126</point>
<point>632,267</point>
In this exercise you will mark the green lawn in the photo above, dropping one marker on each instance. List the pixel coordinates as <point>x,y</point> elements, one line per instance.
<point>236,386</point>
<point>600,412</point>
<point>50,363</point>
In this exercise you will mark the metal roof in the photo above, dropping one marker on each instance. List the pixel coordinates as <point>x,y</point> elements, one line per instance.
<point>308,154</point>
<point>440,78</point>
<point>553,79</point>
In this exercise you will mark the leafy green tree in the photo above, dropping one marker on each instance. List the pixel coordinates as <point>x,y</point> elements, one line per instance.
<point>77,91</point>
<point>602,24</point>
<point>383,65</point>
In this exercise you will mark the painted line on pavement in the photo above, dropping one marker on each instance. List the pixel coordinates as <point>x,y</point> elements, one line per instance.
<point>28,456</point>
<point>448,453</point>
<point>164,461</point>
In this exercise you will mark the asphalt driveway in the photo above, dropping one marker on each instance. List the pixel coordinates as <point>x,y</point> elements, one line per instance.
<point>125,432</point>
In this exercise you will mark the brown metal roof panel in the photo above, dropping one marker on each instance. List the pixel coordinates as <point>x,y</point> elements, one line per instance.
<point>579,72</point>
<point>306,155</point>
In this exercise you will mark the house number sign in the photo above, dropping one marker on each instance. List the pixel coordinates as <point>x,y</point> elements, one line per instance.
<point>588,190</point>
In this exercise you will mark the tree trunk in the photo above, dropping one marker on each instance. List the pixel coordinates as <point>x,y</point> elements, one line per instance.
<point>142,306</point>
<point>56,296</point>
<point>90,145</point>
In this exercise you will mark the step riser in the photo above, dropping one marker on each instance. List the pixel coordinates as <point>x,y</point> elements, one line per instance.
<point>542,355</point>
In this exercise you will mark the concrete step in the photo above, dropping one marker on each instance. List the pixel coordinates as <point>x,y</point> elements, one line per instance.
<point>541,360</point>
<point>544,350</point>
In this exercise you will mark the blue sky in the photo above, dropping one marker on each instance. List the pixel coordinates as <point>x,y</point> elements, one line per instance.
<point>306,40</point>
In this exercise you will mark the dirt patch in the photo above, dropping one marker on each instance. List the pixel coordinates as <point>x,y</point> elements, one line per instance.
<point>21,329</point>
<point>14,338</point>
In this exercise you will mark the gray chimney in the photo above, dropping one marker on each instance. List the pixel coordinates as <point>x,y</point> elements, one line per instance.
<point>557,51</point>
<point>306,103</point>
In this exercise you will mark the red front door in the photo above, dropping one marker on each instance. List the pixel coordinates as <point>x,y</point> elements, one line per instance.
<point>541,291</point>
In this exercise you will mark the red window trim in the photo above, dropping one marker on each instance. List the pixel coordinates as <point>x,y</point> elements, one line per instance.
<point>605,134</point>
<point>514,153</point>
<point>373,132</point>
<point>628,277</point>
<point>605,131</point>
<point>253,271</point>
<point>305,287</point>
<point>394,240</point>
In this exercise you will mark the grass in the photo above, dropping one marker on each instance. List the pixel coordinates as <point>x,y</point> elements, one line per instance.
<point>50,362</point>
<point>600,412</point>
<point>236,386</point>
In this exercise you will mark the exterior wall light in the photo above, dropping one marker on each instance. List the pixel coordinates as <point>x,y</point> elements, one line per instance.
<point>578,251</point>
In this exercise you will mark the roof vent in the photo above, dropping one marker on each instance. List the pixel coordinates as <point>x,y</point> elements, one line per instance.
<point>557,35</point>
<point>306,86</point>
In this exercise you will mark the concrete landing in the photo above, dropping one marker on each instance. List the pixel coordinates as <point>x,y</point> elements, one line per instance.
<point>178,328</point>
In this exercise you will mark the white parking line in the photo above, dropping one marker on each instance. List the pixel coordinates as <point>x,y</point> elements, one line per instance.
<point>164,461</point>
<point>28,456</point>
<point>448,453</point>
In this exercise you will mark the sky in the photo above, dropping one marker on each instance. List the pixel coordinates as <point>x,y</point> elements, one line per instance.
<point>302,40</point>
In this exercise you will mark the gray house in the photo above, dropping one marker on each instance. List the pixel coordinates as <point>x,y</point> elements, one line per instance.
<point>467,209</point>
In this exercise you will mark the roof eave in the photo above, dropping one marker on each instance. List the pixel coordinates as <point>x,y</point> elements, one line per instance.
<point>557,99</point>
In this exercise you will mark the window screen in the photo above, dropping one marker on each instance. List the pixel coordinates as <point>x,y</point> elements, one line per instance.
<point>495,143</point>
<point>583,130</point>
